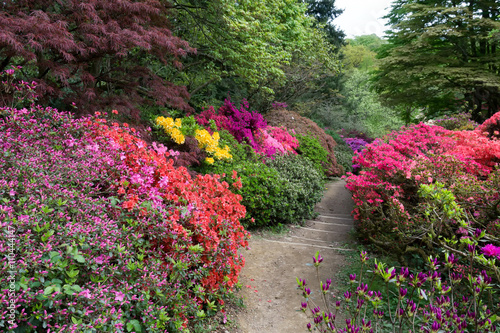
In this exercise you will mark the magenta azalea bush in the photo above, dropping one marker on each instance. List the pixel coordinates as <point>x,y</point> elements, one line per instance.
<point>458,292</point>
<point>388,211</point>
<point>251,128</point>
<point>100,233</point>
<point>241,123</point>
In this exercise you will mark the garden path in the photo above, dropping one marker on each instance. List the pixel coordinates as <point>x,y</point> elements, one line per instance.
<point>272,301</point>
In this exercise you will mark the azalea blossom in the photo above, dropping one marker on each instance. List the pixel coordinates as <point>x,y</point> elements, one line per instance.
<point>491,250</point>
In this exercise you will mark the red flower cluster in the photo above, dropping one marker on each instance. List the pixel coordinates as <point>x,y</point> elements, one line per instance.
<point>205,212</point>
<point>388,207</point>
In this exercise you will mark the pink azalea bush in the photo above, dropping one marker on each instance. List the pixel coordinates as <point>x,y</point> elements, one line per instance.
<point>241,123</point>
<point>389,213</point>
<point>105,234</point>
<point>251,128</point>
<point>275,140</point>
<point>457,292</point>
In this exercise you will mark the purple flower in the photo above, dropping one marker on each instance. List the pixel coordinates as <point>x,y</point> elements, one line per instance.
<point>491,250</point>
<point>317,259</point>
<point>435,327</point>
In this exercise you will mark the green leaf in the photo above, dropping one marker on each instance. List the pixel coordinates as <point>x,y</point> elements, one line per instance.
<point>134,326</point>
<point>49,290</point>
<point>79,258</point>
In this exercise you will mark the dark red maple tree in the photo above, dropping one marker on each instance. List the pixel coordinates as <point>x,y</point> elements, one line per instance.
<point>93,52</point>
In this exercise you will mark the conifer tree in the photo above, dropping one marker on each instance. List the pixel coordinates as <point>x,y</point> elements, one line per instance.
<point>443,54</point>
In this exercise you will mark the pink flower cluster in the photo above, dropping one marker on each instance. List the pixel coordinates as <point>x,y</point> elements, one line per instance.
<point>107,234</point>
<point>491,251</point>
<point>241,123</point>
<point>250,127</point>
<point>275,140</point>
<point>385,190</point>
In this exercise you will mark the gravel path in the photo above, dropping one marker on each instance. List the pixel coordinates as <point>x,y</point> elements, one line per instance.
<point>273,262</point>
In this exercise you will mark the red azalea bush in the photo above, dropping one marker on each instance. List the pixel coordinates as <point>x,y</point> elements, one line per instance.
<point>389,213</point>
<point>103,234</point>
<point>213,210</point>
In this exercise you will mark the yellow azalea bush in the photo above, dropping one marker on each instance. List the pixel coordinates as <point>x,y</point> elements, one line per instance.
<point>210,143</point>
<point>172,128</point>
<point>206,141</point>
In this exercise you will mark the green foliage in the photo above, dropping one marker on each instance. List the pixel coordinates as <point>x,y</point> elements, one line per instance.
<point>304,187</point>
<point>371,42</point>
<point>311,148</point>
<point>357,56</point>
<point>359,109</point>
<point>262,190</point>
<point>441,51</point>
<point>282,191</point>
<point>243,46</point>
<point>344,154</point>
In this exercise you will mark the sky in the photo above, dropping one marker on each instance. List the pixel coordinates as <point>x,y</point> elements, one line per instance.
<point>362,17</point>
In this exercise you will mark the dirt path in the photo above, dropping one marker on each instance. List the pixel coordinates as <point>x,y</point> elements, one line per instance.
<point>273,263</point>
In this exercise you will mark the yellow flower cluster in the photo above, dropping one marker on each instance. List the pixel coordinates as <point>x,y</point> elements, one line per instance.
<point>211,145</point>
<point>172,128</point>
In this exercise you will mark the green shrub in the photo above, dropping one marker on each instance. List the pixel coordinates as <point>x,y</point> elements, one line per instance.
<point>283,190</point>
<point>304,187</point>
<point>262,190</point>
<point>344,155</point>
<point>311,148</point>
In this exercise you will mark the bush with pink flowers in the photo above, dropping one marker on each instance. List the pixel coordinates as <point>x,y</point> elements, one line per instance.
<point>251,128</point>
<point>388,211</point>
<point>100,233</point>
<point>241,123</point>
<point>271,141</point>
<point>456,292</point>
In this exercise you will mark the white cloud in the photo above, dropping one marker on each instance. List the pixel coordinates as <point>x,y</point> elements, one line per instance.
<point>362,17</point>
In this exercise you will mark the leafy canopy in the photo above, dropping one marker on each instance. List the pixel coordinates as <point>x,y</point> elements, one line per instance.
<point>244,47</point>
<point>89,52</point>
<point>442,51</point>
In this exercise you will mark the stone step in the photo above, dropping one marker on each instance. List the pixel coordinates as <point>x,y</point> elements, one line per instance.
<point>327,218</point>
<point>328,214</point>
<point>292,242</point>
<point>321,235</point>
<point>337,227</point>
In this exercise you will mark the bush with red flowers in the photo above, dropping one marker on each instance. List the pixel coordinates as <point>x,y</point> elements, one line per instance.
<point>102,233</point>
<point>388,211</point>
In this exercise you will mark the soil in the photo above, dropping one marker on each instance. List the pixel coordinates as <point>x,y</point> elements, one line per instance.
<point>274,261</point>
